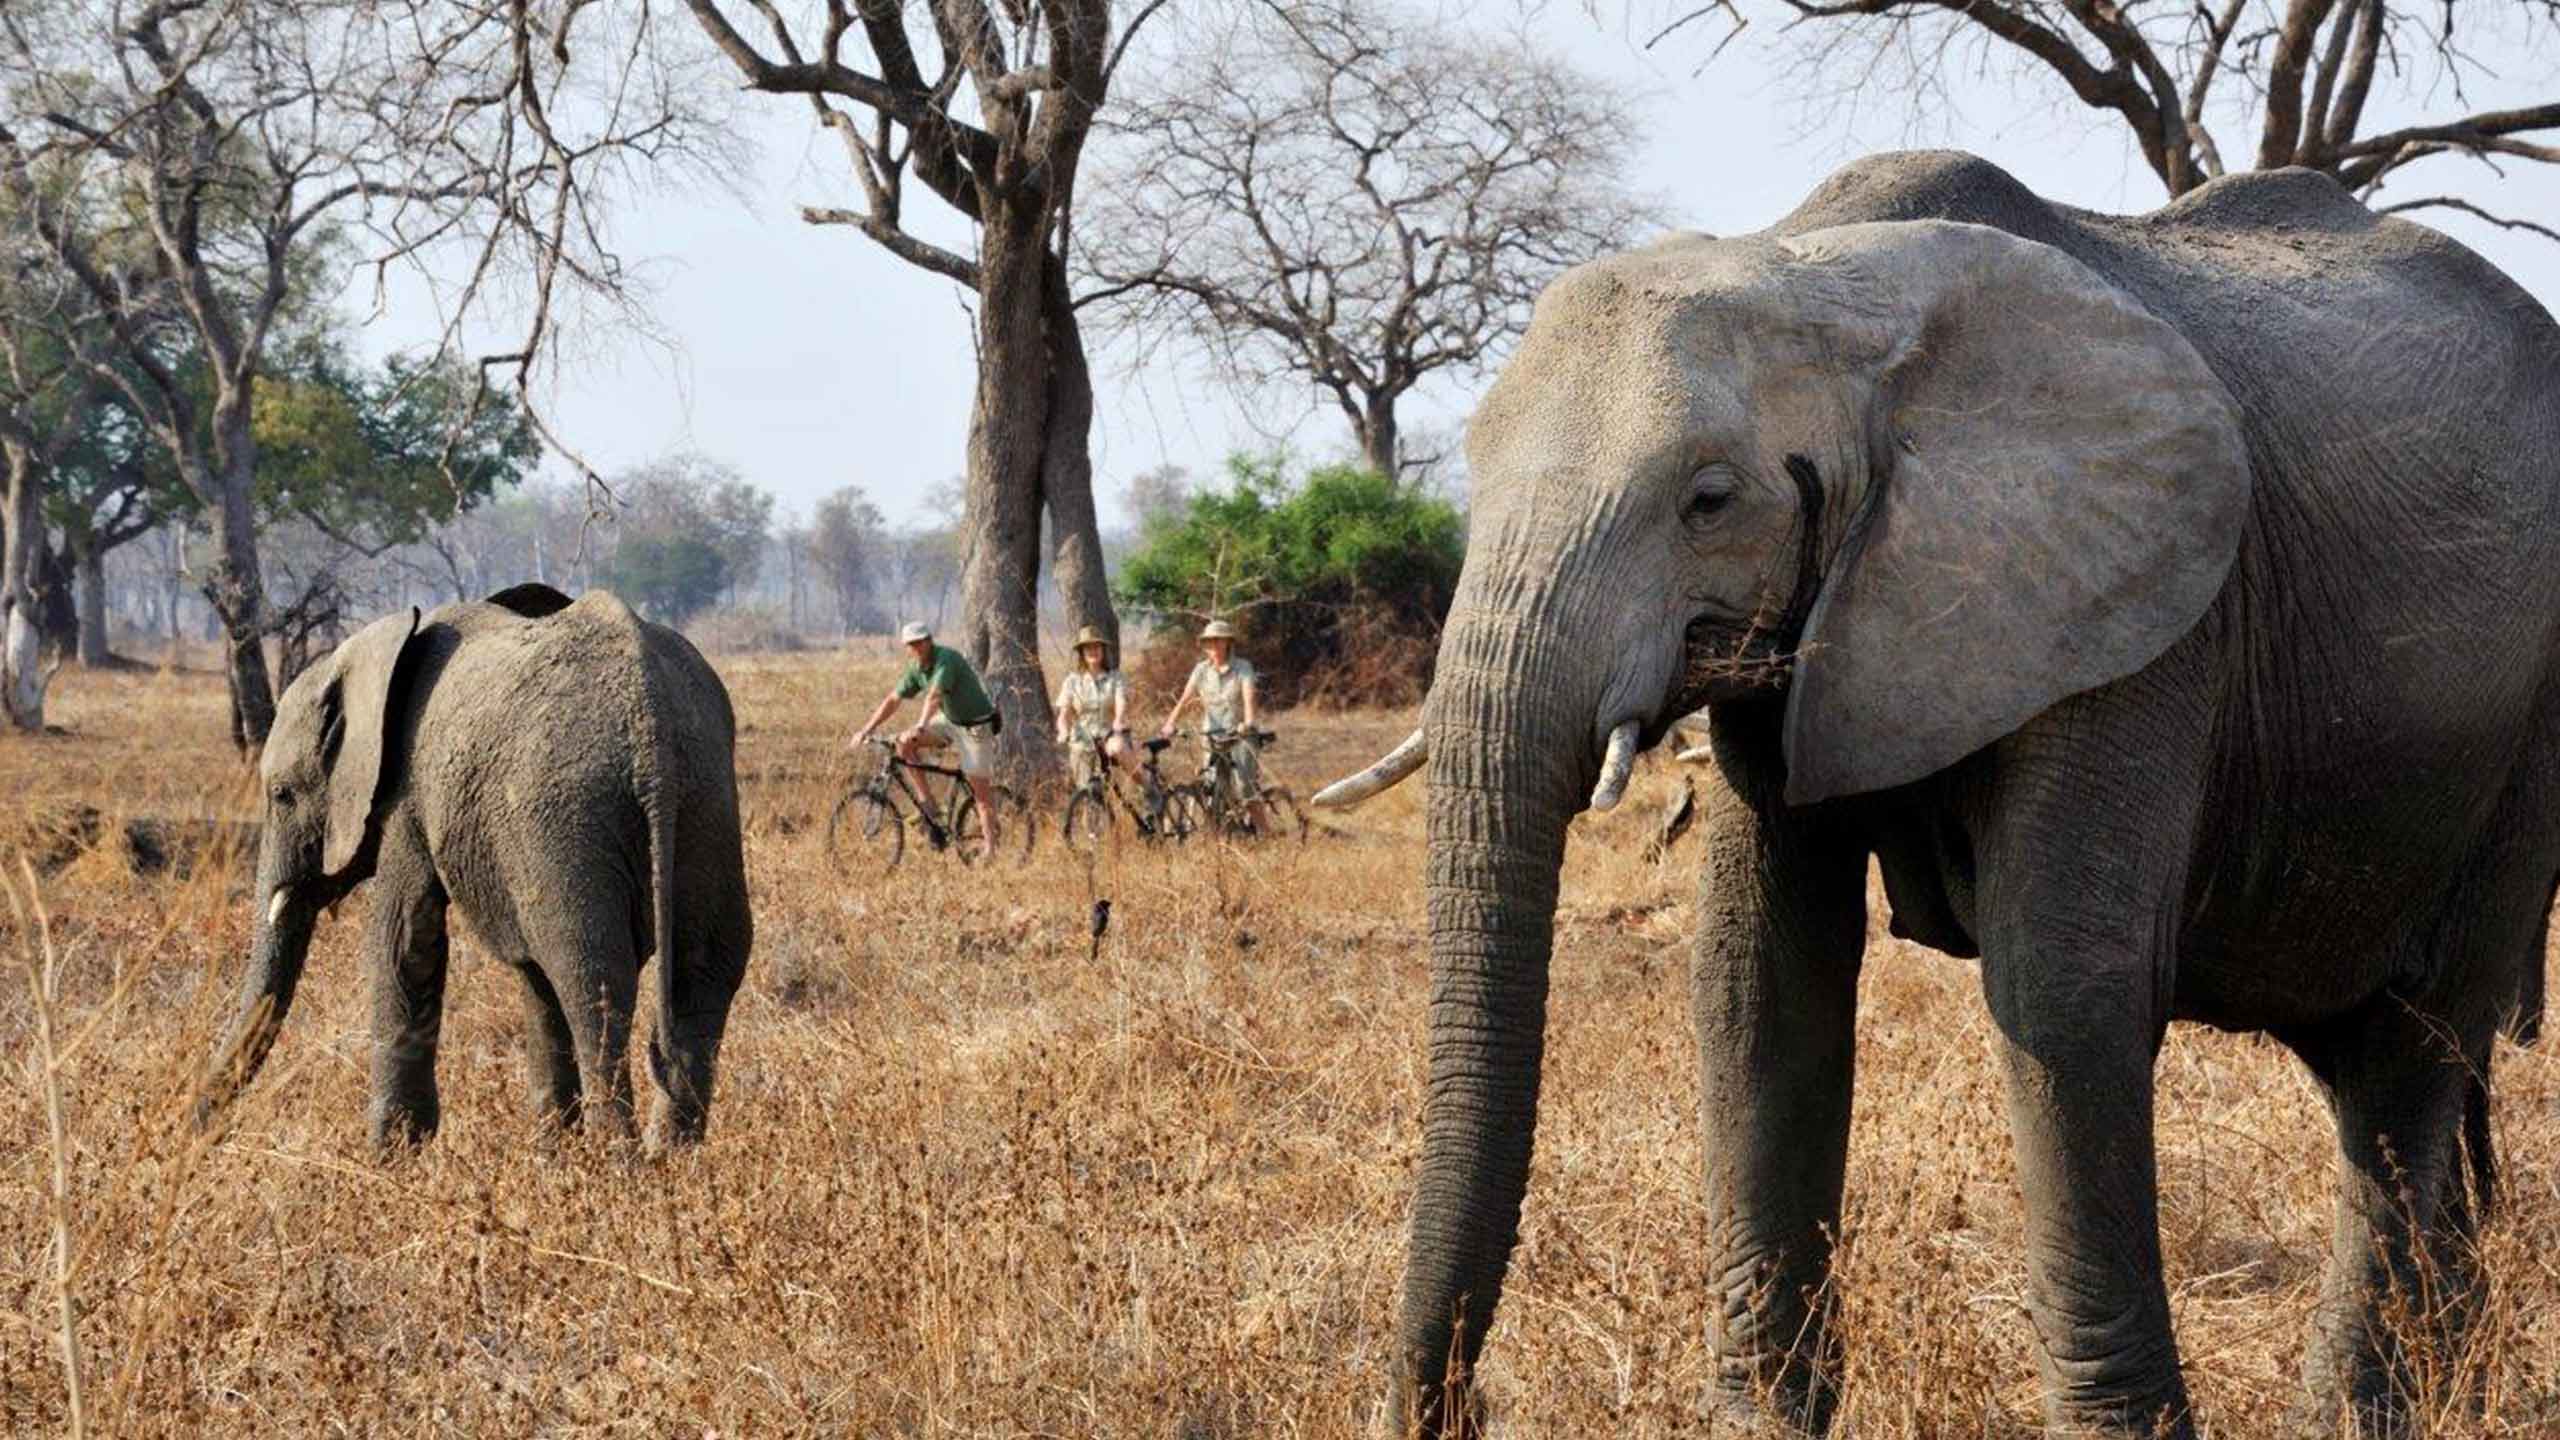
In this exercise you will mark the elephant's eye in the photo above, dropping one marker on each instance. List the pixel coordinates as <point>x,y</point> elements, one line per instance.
<point>1710,491</point>
<point>282,795</point>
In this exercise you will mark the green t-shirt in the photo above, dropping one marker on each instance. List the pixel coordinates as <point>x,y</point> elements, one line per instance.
<point>964,700</point>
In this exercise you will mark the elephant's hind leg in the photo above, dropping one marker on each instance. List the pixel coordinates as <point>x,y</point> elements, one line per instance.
<point>586,950</point>
<point>700,977</point>
<point>550,1052</point>
<point>2407,1075</point>
<point>407,945</point>
<point>2400,1278</point>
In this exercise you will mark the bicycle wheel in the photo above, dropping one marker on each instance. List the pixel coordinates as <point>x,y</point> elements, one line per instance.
<point>1201,807</point>
<point>865,832</point>
<point>1288,819</point>
<point>1182,815</point>
<point>1014,825</point>
<point>1089,821</point>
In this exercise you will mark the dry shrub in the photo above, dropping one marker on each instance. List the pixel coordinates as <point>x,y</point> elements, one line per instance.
<point>745,630</point>
<point>1377,659</point>
<point>1350,657</point>
<point>1156,668</point>
<point>968,1176</point>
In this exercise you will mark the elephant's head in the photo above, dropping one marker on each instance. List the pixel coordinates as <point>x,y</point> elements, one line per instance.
<point>325,772</point>
<point>1915,481</point>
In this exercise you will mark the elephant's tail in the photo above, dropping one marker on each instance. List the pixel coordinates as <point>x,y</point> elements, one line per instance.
<point>2478,1147</point>
<point>656,782</point>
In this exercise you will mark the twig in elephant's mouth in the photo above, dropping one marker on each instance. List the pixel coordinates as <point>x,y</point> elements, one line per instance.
<point>1721,658</point>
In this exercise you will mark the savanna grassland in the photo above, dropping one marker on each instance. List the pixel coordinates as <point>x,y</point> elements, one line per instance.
<point>968,1177</point>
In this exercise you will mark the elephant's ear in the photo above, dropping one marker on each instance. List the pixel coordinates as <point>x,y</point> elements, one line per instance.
<point>2062,487</point>
<point>366,677</point>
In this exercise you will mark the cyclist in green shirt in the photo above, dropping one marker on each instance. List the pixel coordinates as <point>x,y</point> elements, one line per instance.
<point>957,713</point>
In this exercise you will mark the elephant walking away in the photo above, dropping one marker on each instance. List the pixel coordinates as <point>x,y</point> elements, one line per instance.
<point>561,773</point>
<point>2169,605</point>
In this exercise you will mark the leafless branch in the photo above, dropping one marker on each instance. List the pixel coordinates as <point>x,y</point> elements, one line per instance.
<point>2453,202</point>
<point>2306,76</point>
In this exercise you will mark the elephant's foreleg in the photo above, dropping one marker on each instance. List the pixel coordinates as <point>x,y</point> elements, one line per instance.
<point>2079,1070</point>
<point>1774,995</point>
<point>550,1052</point>
<point>406,943</point>
<point>2081,861</point>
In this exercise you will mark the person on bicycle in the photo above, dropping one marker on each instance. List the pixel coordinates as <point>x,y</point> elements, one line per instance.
<point>1223,684</point>
<point>1093,705</point>
<point>957,713</point>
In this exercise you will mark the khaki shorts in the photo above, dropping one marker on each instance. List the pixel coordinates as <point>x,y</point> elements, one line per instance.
<point>1246,762</point>
<point>970,741</point>
<point>1081,756</point>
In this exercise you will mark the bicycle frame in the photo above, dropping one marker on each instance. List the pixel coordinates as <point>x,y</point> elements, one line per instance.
<point>1220,774</point>
<point>894,768</point>
<point>1106,781</point>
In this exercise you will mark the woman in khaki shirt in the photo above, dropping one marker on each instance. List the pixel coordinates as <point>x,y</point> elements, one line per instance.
<point>1093,705</point>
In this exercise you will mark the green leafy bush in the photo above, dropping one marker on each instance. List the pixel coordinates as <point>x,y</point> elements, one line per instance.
<point>1338,579</point>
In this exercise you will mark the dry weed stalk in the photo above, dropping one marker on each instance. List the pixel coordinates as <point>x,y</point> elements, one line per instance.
<point>42,968</point>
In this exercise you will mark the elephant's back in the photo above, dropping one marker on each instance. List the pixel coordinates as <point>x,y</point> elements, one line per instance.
<point>578,720</point>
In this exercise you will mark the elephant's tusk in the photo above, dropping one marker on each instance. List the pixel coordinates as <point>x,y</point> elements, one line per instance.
<point>1397,764</point>
<point>275,907</point>
<point>1615,765</point>
<point>1697,754</point>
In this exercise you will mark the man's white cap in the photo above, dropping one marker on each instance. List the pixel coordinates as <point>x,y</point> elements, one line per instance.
<point>913,631</point>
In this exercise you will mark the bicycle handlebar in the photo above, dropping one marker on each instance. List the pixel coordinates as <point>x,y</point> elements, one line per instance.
<point>1229,737</point>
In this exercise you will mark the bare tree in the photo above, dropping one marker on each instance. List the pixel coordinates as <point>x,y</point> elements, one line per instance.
<point>1343,193</point>
<point>1157,496</point>
<point>46,395</point>
<point>988,109</point>
<point>195,164</point>
<point>2314,79</point>
<point>848,545</point>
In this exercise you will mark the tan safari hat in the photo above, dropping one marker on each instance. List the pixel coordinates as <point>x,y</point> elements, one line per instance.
<point>1218,630</point>
<point>1090,636</point>
<point>913,631</point>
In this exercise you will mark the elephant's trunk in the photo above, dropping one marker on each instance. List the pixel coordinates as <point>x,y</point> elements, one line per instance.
<point>277,950</point>
<point>1512,750</point>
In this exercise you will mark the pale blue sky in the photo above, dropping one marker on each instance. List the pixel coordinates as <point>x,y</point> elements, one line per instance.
<point>809,358</point>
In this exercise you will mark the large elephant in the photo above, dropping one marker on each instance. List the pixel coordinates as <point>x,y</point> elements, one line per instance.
<point>2166,603</point>
<point>560,772</point>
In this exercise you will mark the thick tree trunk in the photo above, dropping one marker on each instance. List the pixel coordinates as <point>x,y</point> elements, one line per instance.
<point>1379,439</point>
<point>173,588</point>
<point>233,583</point>
<point>22,678</point>
<point>57,606</point>
<point>1029,438</point>
<point>1000,524</point>
<point>1066,481</point>
<point>91,566</point>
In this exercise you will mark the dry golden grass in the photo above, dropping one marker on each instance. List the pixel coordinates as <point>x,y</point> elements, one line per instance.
<point>964,1180</point>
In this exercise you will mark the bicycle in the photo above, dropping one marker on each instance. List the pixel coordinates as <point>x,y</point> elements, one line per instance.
<point>871,822</point>
<point>1160,811</point>
<point>1214,792</point>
